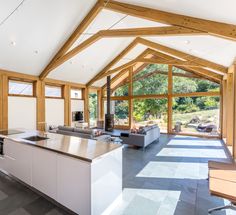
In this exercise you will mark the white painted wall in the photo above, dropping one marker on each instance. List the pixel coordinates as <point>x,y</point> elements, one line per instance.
<point>21,112</point>
<point>54,111</point>
<point>76,105</point>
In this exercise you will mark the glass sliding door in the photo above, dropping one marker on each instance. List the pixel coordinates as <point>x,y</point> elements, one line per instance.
<point>197,115</point>
<point>149,112</point>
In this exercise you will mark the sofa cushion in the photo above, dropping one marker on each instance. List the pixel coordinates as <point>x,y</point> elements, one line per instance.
<point>154,126</point>
<point>65,128</point>
<point>83,131</point>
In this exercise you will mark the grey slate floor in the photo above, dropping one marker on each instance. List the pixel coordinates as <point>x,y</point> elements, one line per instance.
<point>168,178</point>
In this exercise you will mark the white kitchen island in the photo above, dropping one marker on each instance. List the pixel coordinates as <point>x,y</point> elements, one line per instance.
<point>82,175</point>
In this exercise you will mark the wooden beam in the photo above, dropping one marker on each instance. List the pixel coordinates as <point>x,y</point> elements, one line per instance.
<point>100,104</point>
<point>138,67</point>
<point>138,97</point>
<point>91,40</point>
<point>1,102</point>
<point>230,107</point>
<point>60,82</point>
<point>130,94</point>
<point>174,62</point>
<point>196,94</point>
<point>170,87</point>
<point>40,106</point>
<point>224,107</point>
<point>74,36</point>
<point>204,73</point>
<point>150,31</point>
<point>119,68</point>
<point>166,31</point>
<point>157,72</point>
<point>86,104</point>
<point>199,71</point>
<point>182,55</point>
<point>124,66</point>
<point>218,29</point>
<point>117,78</point>
<point>5,101</point>
<point>67,105</point>
<point>17,75</point>
<point>113,62</point>
<point>233,68</point>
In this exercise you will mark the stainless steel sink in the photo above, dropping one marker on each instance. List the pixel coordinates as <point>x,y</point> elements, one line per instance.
<point>35,138</point>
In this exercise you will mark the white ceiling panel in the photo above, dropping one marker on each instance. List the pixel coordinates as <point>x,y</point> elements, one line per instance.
<point>89,62</point>
<point>104,20</point>
<point>218,10</point>
<point>103,81</point>
<point>34,33</point>
<point>135,22</point>
<point>107,19</point>
<point>6,7</point>
<point>121,62</point>
<point>137,50</point>
<point>211,48</point>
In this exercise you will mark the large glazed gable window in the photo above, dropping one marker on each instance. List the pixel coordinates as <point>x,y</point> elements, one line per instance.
<point>151,80</point>
<point>53,91</point>
<point>20,88</point>
<point>186,82</point>
<point>121,91</point>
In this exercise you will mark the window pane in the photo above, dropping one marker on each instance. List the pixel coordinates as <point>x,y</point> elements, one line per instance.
<point>20,88</point>
<point>121,91</point>
<point>52,91</point>
<point>196,115</point>
<point>93,108</point>
<point>76,94</point>
<point>149,112</point>
<point>185,82</point>
<point>120,109</point>
<point>151,80</point>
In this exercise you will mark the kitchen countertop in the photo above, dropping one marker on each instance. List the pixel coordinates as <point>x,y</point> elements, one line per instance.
<point>83,149</point>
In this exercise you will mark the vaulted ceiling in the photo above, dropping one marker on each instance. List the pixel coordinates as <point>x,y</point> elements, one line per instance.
<point>33,32</point>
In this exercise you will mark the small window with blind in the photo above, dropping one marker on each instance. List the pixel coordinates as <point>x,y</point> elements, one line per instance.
<point>53,91</point>
<point>76,94</point>
<point>20,88</point>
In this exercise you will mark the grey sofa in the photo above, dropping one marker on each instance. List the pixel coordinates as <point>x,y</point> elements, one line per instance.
<point>83,133</point>
<point>146,136</point>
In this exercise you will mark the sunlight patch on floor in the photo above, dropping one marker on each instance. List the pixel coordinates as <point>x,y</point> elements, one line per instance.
<point>176,170</point>
<point>193,153</point>
<point>146,201</point>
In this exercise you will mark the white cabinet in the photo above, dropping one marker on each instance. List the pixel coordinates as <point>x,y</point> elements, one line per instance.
<point>74,184</point>
<point>44,171</point>
<point>17,160</point>
<point>83,187</point>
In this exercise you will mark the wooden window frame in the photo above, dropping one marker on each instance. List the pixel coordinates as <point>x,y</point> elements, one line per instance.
<point>56,86</point>
<point>22,81</point>
<point>170,95</point>
<point>74,88</point>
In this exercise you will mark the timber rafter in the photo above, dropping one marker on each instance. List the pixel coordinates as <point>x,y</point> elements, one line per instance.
<point>218,29</point>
